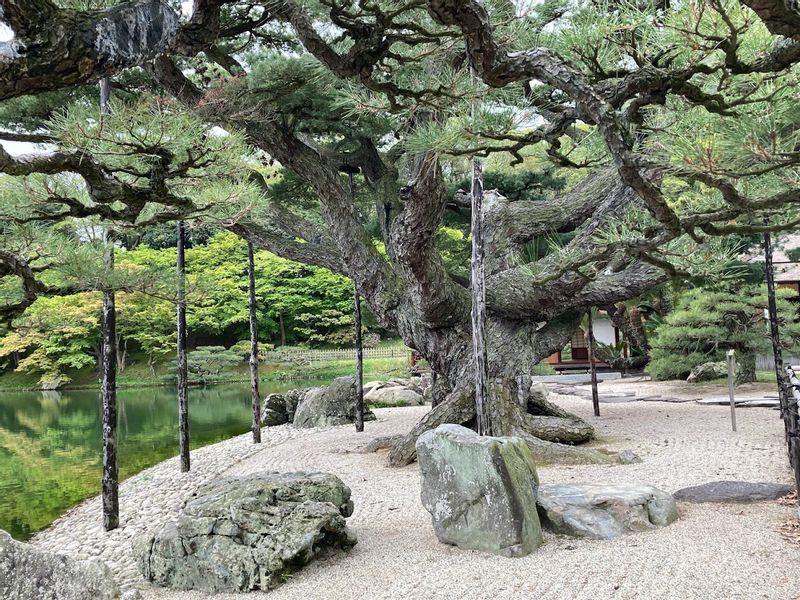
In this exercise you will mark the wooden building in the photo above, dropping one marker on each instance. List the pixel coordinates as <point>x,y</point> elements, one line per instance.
<point>575,355</point>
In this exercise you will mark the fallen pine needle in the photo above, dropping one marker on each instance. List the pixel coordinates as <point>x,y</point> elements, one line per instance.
<point>790,531</point>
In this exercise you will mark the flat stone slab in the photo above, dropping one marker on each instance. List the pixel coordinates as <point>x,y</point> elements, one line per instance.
<point>763,403</point>
<point>604,511</point>
<point>743,402</point>
<point>671,399</point>
<point>615,397</point>
<point>576,377</point>
<point>733,491</point>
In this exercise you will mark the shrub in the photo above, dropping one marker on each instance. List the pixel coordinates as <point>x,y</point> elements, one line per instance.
<point>706,323</point>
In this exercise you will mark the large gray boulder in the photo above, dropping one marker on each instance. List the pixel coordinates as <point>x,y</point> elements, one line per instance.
<point>708,371</point>
<point>248,533</point>
<point>394,396</point>
<point>733,491</point>
<point>334,404</point>
<point>480,491</point>
<point>604,511</point>
<point>27,573</point>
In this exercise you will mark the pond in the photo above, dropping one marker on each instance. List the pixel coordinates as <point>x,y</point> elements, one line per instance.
<point>50,442</point>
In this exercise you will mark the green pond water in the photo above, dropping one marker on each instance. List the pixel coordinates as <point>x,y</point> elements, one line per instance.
<point>50,442</point>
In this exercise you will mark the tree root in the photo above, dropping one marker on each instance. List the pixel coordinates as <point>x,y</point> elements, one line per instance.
<point>563,454</point>
<point>564,430</point>
<point>548,435</point>
<point>457,408</point>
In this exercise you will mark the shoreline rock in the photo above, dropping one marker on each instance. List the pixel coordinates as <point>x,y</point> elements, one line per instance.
<point>334,404</point>
<point>28,573</point>
<point>240,534</point>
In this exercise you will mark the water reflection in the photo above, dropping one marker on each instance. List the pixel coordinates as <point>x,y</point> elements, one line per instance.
<point>50,442</point>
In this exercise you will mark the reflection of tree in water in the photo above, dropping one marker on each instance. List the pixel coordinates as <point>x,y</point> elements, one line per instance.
<point>50,442</point>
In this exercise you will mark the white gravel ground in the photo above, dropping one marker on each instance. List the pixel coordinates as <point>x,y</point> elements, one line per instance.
<point>713,551</point>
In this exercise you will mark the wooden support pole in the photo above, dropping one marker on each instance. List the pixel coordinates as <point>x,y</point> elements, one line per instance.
<point>251,308</point>
<point>785,395</point>
<point>183,374</point>
<point>731,356</point>
<point>110,483</point>
<point>359,361</point>
<point>792,415</point>
<point>479,302</point>
<point>592,366</point>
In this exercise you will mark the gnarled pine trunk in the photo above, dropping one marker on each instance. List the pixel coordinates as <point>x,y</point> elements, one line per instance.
<point>410,292</point>
<point>551,431</point>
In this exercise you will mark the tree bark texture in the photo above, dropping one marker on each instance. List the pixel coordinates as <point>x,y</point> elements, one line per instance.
<point>359,361</point>
<point>592,365</point>
<point>251,305</point>
<point>110,485</point>
<point>479,303</point>
<point>183,374</point>
<point>784,392</point>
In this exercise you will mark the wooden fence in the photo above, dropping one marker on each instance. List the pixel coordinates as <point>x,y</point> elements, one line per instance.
<point>766,362</point>
<point>278,355</point>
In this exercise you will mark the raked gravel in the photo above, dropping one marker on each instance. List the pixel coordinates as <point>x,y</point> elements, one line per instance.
<point>713,551</point>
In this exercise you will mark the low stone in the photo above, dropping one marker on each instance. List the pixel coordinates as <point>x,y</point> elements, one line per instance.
<point>733,491</point>
<point>334,404</point>
<point>394,396</point>
<point>628,457</point>
<point>539,391</point>
<point>604,511</point>
<point>291,400</point>
<point>419,384</point>
<point>274,411</point>
<point>27,573</point>
<point>271,418</point>
<point>480,491</point>
<point>379,443</point>
<point>373,385</point>
<point>708,371</point>
<point>240,534</point>
<point>275,402</point>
